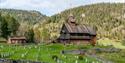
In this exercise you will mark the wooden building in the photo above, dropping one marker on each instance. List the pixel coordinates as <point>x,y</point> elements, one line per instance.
<point>72,32</point>
<point>16,40</point>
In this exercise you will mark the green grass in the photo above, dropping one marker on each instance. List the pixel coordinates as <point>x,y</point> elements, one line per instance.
<point>43,53</point>
<point>118,57</point>
<point>107,42</point>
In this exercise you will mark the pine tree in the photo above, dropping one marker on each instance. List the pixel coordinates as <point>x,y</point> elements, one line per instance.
<point>4,28</point>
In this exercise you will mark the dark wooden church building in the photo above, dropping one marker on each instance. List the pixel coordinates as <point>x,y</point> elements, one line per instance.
<point>72,32</point>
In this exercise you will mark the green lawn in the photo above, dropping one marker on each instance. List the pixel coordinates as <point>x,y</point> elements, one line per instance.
<point>44,53</point>
<point>118,57</point>
<point>107,42</point>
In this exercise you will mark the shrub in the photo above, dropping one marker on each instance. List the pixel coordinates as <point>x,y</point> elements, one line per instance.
<point>55,57</point>
<point>80,57</point>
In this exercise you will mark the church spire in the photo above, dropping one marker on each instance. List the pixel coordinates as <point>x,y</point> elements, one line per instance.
<point>71,19</point>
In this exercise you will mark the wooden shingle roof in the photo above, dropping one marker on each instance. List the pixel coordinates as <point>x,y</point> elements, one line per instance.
<point>75,28</point>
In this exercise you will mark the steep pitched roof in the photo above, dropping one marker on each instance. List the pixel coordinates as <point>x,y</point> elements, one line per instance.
<point>75,28</point>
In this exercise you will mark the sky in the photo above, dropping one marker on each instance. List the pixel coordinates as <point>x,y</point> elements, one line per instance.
<point>49,7</point>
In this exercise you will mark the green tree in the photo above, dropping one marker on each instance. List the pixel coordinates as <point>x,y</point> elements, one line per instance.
<point>30,36</point>
<point>4,28</point>
<point>0,23</point>
<point>13,24</point>
<point>45,34</point>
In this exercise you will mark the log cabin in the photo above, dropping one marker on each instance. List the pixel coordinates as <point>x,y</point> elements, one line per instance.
<point>72,32</point>
<point>17,40</point>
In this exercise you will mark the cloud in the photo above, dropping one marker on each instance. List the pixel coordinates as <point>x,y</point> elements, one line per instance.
<point>3,1</point>
<point>48,7</point>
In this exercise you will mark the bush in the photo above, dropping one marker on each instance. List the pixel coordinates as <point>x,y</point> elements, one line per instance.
<point>80,57</point>
<point>55,57</point>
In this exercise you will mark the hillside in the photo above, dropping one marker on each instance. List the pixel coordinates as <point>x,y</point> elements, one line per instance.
<point>26,18</point>
<point>106,18</point>
<point>23,15</point>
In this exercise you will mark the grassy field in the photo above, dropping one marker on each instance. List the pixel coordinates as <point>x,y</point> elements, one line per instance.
<point>108,42</point>
<point>116,57</point>
<point>44,53</point>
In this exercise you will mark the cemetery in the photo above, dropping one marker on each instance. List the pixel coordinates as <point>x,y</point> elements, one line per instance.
<point>58,53</point>
<point>51,53</point>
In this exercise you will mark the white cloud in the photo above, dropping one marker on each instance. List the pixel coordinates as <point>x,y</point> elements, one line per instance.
<point>119,1</point>
<point>48,7</point>
<point>44,4</point>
